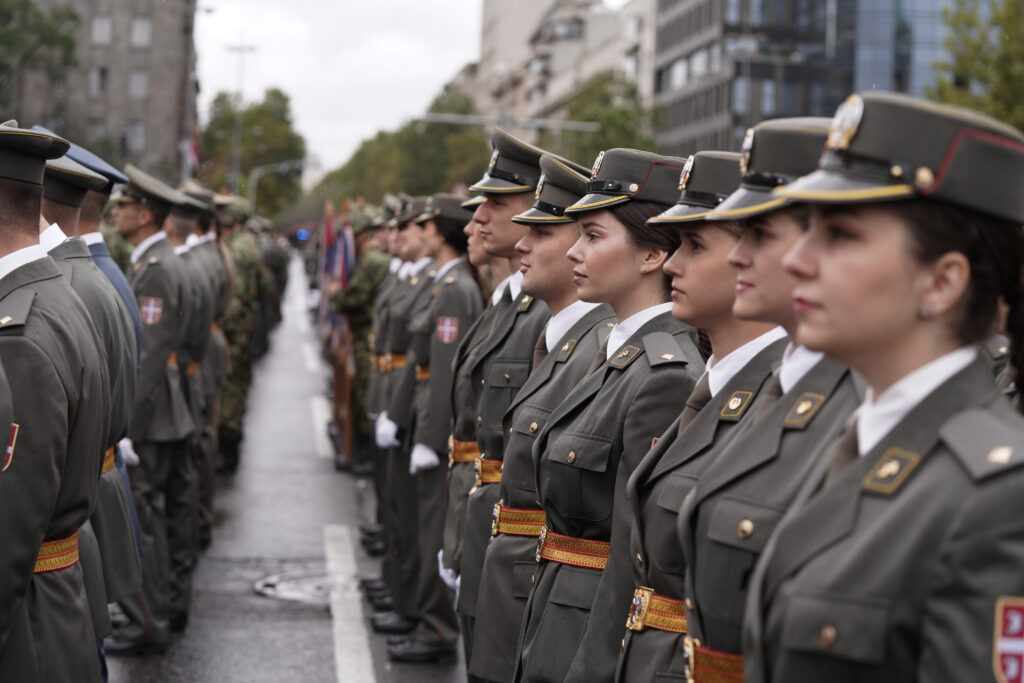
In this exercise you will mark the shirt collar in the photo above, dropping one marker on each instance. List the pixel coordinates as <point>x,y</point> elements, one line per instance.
<point>721,371</point>
<point>876,417</point>
<point>193,239</point>
<point>182,248</point>
<point>51,238</point>
<point>499,291</point>
<point>146,244</point>
<point>394,265</point>
<point>797,361</point>
<point>627,328</point>
<point>515,284</point>
<point>92,237</point>
<point>561,322</point>
<point>209,236</point>
<point>443,270</point>
<point>19,258</point>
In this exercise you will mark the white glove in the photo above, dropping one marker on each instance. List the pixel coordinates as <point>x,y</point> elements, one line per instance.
<point>386,432</point>
<point>423,458</point>
<point>458,587</point>
<point>128,454</point>
<point>449,576</point>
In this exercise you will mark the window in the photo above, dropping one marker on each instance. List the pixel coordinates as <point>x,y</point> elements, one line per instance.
<point>732,11</point>
<point>97,81</point>
<point>630,68</point>
<point>141,34</point>
<point>135,137</point>
<point>756,12</point>
<point>101,29</point>
<point>698,63</point>
<point>138,84</point>
<point>678,77</point>
<point>767,98</point>
<point>715,60</point>
<point>740,95</point>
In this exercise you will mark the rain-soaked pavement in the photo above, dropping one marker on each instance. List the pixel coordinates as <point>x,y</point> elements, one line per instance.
<point>286,524</point>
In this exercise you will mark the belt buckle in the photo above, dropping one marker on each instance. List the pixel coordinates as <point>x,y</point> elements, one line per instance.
<point>689,647</point>
<point>495,519</point>
<point>479,469</point>
<point>540,542</point>
<point>637,618</point>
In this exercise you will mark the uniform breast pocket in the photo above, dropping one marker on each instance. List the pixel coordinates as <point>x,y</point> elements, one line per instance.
<point>518,467</point>
<point>837,627</point>
<point>662,538</point>
<point>736,534</point>
<point>506,373</point>
<point>419,347</point>
<point>580,479</point>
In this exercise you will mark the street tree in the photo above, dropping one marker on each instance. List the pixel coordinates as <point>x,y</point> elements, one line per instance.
<point>268,137</point>
<point>986,66</point>
<point>33,39</point>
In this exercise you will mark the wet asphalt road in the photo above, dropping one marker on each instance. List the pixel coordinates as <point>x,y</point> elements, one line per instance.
<point>285,520</point>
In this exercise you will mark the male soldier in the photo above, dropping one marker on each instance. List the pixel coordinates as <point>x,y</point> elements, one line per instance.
<point>393,425</point>
<point>110,531</point>
<point>161,423</point>
<point>562,357</point>
<point>504,361</point>
<point>180,224</point>
<point>355,302</point>
<point>49,474</point>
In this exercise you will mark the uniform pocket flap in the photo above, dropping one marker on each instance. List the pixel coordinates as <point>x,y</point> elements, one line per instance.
<point>522,578</point>
<point>575,587</point>
<point>676,487</point>
<point>508,373</point>
<point>742,525</point>
<point>837,627</point>
<point>584,451</point>
<point>530,420</point>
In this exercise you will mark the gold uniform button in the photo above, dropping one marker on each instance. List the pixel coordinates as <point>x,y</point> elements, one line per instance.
<point>507,378</point>
<point>827,636</point>
<point>639,560</point>
<point>745,529</point>
<point>479,421</point>
<point>533,427</point>
<point>571,458</point>
<point>623,644</point>
<point>482,383</point>
<point>689,604</point>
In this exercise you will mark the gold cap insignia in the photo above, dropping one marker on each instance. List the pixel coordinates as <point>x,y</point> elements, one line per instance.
<point>540,186</point>
<point>923,178</point>
<point>845,122</point>
<point>684,177</point>
<point>597,165</point>
<point>494,160</point>
<point>891,471</point>
<point>748,144</point>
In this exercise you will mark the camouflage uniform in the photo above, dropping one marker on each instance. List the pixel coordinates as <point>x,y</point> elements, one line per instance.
<point>356,302</point>
<point>120,249</point>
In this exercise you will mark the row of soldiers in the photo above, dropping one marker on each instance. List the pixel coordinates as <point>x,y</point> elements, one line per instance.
<point>725,417</point>
<point>124,388</point>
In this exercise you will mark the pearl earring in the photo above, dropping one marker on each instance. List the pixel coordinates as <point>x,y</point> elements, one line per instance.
<point>643,269</point>
<point>925,311</point>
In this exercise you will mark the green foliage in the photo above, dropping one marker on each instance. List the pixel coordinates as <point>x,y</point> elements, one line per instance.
<point>986,69</point>
<point>34,40</point>
<point>267,137</point>
<point>615,104</point>
<point>418,158</point>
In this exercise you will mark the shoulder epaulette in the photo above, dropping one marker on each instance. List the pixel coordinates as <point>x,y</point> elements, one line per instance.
<point>662,348</point>
<point>15,307</point>
<point>984,444</point>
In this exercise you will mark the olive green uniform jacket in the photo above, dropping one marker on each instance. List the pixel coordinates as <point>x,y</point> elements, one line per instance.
<point>49,482</point>
<point>591,444</point>
<point>509,562</point>
<point>907,565</point>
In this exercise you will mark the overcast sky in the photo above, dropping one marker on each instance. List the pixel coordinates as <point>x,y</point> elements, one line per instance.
<point>351,67</point>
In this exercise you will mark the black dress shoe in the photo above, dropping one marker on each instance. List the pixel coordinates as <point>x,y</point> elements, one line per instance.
<point>341,464</point>
<point>415,652</point>
<point>375,548</point>
<point>113,645</point>
<point>381,602</point>
<point>361,468</point>
<point>370,528</point>
<point>373,583</point>
<point>178,623</point>
<point>391,622</point>
<point>395,639</point>
<point>378,592</point>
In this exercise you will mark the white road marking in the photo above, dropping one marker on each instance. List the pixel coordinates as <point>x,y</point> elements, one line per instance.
<point>320,410</point>
<point>353,662</point>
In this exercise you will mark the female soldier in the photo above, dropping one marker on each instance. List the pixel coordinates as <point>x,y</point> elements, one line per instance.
<point>703,291</point>
<point>900,558</point>
<point>596,435</point>
<point>740,495</point>
<point>455,303</point>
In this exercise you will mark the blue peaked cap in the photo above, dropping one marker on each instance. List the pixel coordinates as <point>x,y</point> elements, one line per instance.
<point>91,162</point>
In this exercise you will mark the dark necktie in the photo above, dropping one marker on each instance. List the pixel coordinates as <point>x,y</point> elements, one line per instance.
<point>844,453</point>
<point>771,394</point>
<point>699,398</point>
<point>600,359</point>
<point>540,349</point>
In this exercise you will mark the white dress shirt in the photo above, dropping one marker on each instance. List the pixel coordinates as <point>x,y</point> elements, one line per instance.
<point>19,258</point>
<point>625,329</point>
<point>514,282</point>
<point>92,237</point>
<point>146,244</point>
<point>561,322</point>
<point>443,270</point>
<point>721,371</point>
<point>51,238</point>
<point>797,361</point>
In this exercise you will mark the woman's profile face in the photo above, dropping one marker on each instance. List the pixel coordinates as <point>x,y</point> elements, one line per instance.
<point>764,290</point>
<point>433,242</point>
<point>606,263</point>
<point>859,286</point>
<point>703,282</point>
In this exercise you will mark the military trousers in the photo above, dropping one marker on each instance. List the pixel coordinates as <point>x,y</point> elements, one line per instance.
<point>402,530</point>
<point>435,602</point>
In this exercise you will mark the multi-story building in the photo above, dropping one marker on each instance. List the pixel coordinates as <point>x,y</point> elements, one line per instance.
<point>724,65</point>
<point>132,96</point>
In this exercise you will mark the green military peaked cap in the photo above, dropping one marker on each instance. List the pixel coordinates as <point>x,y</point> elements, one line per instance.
<point>411,208</point>
<point>148,190</point>
<point>23,152</point>
<point>560,186</point>
<point>189,206</point>
<point>514,167</point>
<point>886,146</point>
<point>444,205</point>
<point>706,180</point>
<point>775,152</point>
<point>474,201</point>
<point>193,189</point>
<point>622,175</point>
<point>67,182</point>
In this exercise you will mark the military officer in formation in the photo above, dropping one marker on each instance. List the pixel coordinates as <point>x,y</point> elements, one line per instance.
<point>763,431</point>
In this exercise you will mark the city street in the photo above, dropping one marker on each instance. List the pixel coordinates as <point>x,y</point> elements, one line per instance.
<point>285,525</point>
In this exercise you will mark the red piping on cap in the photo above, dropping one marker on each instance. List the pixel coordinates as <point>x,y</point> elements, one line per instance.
<point>951,151</point>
